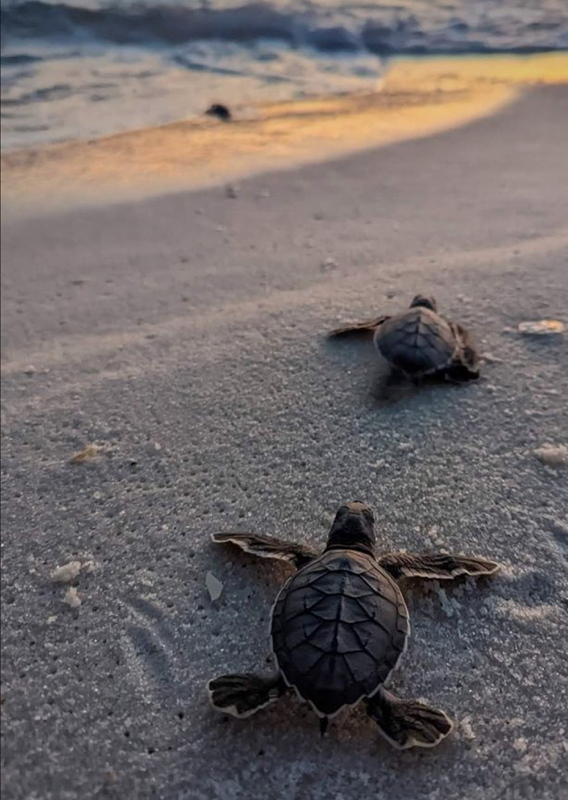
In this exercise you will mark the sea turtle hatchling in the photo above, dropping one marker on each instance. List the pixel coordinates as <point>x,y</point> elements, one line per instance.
<point>339,627</point>
<point>420,342</point>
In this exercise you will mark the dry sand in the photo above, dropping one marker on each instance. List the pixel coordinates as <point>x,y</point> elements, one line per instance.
<point>183,336</point>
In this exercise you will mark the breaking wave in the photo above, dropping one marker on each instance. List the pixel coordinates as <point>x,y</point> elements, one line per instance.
<point>377,29</point>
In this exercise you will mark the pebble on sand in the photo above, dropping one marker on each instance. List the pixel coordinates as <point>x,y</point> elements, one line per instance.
<point>553,455</point>
<point>67,572</point>
<point>72,598</point>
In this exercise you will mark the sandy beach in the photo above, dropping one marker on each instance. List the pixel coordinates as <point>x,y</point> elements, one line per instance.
<point>417,98</point>
<point>183,335</point>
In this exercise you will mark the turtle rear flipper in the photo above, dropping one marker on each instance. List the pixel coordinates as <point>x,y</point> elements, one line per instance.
<point>357,328</point>
<point>465,366</point>
<point>408,723</point>
<point>244,694</point>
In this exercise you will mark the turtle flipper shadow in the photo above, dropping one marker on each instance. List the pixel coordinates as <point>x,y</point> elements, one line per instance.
<point>436,566</point>
<point>269,547</point>
<point>242,695</point>
<point>393,386</point>
<point>357,328</point>
<point>408,723</point>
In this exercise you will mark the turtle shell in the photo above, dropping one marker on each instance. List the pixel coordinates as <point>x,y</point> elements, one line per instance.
<point>417,342</point>
<point>339,626</point>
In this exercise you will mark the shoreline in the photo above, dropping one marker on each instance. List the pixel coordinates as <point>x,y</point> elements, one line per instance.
<point>418,97</point>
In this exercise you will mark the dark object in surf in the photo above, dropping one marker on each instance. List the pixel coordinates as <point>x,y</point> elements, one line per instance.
<point>220,111</point>
<point>420,342</point>
<point>339,627</point>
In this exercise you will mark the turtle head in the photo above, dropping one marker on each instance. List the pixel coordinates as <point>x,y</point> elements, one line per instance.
<point>353,528</point>
<point>425,301</point>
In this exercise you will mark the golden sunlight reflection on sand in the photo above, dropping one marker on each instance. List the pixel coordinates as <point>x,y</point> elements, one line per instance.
<point>418,97</point>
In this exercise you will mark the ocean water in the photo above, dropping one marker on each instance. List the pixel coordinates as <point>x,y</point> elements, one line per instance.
<point>86,68</point>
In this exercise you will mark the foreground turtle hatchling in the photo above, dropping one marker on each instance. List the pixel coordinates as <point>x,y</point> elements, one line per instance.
<point>339,627</point>
<point>420,342</point>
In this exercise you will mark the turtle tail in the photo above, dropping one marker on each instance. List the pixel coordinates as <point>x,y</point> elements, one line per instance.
<point>408,723</point>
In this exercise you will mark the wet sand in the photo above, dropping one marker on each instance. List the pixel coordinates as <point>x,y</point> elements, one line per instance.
<point>184,335</point>
<point>417,98</point>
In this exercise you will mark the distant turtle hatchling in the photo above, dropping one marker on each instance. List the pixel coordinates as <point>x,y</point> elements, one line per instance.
<point>339,627</point>
<point>420,342</point>
<point>220,111</point>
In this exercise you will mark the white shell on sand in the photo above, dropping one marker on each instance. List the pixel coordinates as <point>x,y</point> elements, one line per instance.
<point>67,572</point>
<point>553,455</point>
<point>214,586</point>
<point>543,327</point>
<point>72,598</point>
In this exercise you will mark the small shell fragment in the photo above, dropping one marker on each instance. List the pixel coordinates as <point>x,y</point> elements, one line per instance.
<point>66,573</point>
<point>72,598</point>
<point>542,327</point>
<point>89,451</point>
<point>466,728</point>
<point>214,586</point>
<point>491,359</point>
<point>328,264</point>
<point>553,455</point>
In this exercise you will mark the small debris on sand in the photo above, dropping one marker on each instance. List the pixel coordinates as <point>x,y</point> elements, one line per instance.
<point>542,327</point>
<point>52,619</point>
<point>231,191</point>
<point>66,573</point>
<point>89,451</point>
<point>214,586</point>
<point>450,606</point>
<point>72,598</point>
<point>466,729</point>
<point>553,455</point>
<point>111,776</point>
<point>328,264</point>
<point>489,358</point>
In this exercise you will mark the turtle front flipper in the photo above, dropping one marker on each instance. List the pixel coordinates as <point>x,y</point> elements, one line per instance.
<point>357,328</point>
<point>408,723</point>
<point>269,547</point>
<point>436,566</point>
<point>244,694</point>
